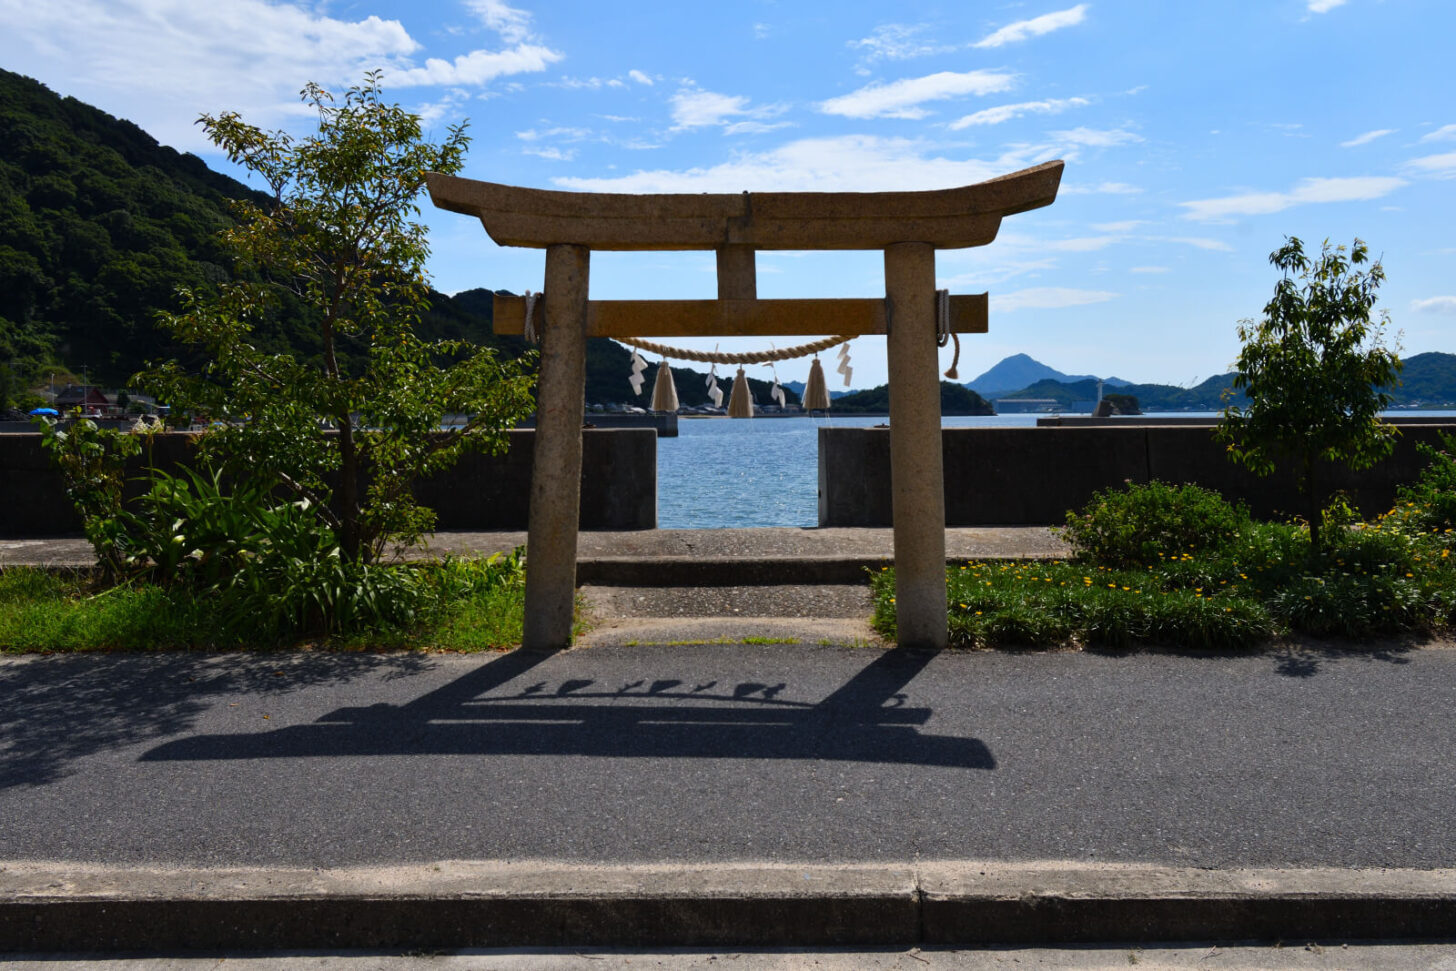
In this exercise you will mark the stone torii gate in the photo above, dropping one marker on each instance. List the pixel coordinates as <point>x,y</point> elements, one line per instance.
<point>908,226</point>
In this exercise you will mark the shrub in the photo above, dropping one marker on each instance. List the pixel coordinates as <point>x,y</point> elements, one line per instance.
<point>1428,505</point>
<point>92,463</point>
<point>1131,526</point>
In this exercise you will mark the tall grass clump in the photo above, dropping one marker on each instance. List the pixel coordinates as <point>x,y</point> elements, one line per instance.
<point>1137,524</point>
<point>456,604</point>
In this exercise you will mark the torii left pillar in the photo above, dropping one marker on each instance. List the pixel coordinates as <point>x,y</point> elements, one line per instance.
<point>560,408</point>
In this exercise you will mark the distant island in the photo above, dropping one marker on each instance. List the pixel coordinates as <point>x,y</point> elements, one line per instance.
<point>1428,381</point>
<point>955,399</point>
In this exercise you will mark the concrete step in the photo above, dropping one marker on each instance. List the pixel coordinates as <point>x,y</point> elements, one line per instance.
<point>693,571</point>
<point>691,631</point>
<point>798,600</point>
<point>671,615</point>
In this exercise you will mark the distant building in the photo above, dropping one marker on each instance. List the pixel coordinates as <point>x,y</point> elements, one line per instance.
<point>1021,406</point>
<point>89,398</point>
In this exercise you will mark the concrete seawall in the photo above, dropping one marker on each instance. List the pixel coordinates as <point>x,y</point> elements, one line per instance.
<point>482,492</point>
<point>1032,476</point>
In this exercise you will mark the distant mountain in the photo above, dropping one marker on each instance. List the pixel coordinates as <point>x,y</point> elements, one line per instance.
<point>1021,370</point>
<point>1427,381</point>
<point>955,399</point>
<point>797,387</point>
<point>1207,396</point>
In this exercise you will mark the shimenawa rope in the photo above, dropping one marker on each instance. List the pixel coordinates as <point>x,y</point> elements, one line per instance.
<point>723,357</point>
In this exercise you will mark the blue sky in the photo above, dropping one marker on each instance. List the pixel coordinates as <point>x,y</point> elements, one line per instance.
<point>1196,135</point>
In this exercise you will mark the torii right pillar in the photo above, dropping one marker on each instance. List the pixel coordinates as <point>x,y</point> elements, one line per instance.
<point>917,476</point>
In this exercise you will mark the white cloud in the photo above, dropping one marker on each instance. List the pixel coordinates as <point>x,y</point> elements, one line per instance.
<point>1446,133</point>
<point>696,108</point>
<point>898,42</point>
<point>1101,188</point>
<point>434,111</point>
<point>1035,27</point>
<point>995,116</point>
<point>639,77</point>
<point>1368,137</point>
<point>1197,242</point>
<point>1048,298</point>
<point>1435,305</point>
<point>755,127</point>
<point>1148,269</point>
<point>1082,244</point>
<point>161,63</point>
<point>901,99</point>
<point>513,25</point>
<point>1097,138</point>
<point>564,133</point>
<point>1440,166</point>
<point>586,84</point>
<point>1124,226</point>
<point>551,152</point>
<point>1324,6</point>
<point>1356,189</point>
<point>477,67</point>
<point>990,267</point>
<point>849,163</point>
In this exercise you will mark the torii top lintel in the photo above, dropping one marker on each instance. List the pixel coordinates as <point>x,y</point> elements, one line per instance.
<point>945,218</point>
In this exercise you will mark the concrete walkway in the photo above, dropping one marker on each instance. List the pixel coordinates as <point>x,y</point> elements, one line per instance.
<point>731,554</point>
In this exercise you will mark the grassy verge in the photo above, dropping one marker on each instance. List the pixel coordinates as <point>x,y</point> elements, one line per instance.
<point>1373,580</point>
<point>464,605</point>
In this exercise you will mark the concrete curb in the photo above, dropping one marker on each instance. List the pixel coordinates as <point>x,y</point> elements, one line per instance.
<point>687,571</point>
<point>64,908</point>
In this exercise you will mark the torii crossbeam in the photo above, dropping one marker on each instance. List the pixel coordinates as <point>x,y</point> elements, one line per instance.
<point>908,226</point>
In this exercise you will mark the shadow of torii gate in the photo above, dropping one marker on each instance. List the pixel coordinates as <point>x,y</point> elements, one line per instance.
<point>499,709</point>
<point>908,226</point>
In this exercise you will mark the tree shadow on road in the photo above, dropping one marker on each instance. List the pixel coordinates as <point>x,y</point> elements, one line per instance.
<point>59,709</point>
<point>1301,657</point>
<point>1305,657</point>
<point>512,706</point>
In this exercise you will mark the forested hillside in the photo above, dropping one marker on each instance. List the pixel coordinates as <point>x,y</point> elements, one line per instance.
<point>100,224</point>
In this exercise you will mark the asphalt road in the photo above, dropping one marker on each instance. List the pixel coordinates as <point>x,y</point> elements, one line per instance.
<point>731,752</point>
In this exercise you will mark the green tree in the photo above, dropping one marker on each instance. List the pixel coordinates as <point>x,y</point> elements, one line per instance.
<point>1316,372</point>
<point>337,239</point>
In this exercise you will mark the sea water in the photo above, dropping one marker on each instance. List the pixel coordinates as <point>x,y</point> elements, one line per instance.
<point>730,473</point>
